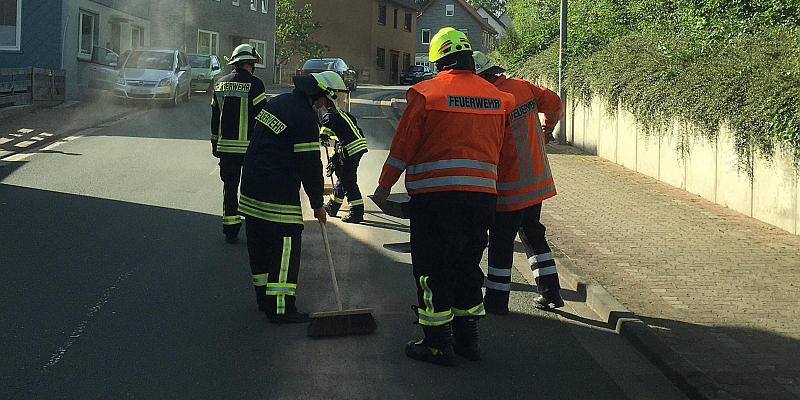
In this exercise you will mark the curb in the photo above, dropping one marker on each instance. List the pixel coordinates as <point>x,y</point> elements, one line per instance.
<point>693,382</point>
<point>13,111</point>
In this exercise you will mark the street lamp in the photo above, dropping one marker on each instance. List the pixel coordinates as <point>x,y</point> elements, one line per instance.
<point>562,63</point>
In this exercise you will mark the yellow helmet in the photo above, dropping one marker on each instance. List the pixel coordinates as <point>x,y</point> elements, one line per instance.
<point>331,80</point>
<point>447,41</point>
<point>244,52</point>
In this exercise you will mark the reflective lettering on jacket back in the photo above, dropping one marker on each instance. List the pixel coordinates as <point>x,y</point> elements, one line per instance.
<point>272,122</point>
<point>524,109</point>
<point>232,87</point>
<point>473,102</point>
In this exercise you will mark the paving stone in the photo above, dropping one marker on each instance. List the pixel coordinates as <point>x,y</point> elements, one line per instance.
<point>723,288</point>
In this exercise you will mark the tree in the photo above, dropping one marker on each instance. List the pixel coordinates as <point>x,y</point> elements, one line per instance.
<point>496,7</point>
<point>293,33</point>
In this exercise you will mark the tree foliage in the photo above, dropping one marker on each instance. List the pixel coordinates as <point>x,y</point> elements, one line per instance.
<point>293,32</point>
<point>706,63</point>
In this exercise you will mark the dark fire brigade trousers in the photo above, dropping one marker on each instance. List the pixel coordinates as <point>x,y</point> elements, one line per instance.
<point>448,236</point>
<point>230,171</point>
<point>347,183</point>
<point>275,264</point>
<point>501,250</point>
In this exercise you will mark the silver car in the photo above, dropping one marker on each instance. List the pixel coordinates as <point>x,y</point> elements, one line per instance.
<point>155,74</point>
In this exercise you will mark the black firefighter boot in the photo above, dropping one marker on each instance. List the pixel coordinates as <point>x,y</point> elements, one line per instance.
<point>436,347</point>
<point>261,298</point>
<point>495,302</point>
<point>332,207</point>
<point>356,214</point>
<point>465,338</point>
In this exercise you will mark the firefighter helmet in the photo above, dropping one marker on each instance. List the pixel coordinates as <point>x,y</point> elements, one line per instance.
<point>483,65</point>
<point>244,52</point>
<point>447,41</point>
<point>331,80</point>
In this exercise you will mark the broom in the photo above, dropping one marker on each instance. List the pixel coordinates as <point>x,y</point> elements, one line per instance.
<point>340,322</point>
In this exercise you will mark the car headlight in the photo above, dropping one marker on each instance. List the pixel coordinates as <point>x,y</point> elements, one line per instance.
<point>120,80</point>
<point>165,82</point>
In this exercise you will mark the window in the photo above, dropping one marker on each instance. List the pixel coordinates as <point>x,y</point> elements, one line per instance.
<point>382,14</point>
<point>426,36</point>
<point>381,58</point>
<point>395,18</point>
<point>137,37</point>
<point>88,37</point>
<point>254,5</point>
<point>10,24</point>
<point>264,6</point>
<point>235,2</point>
<point>261,49</point>
<point>207,42</point>
<point>449,10</point>
<point>407,23</point>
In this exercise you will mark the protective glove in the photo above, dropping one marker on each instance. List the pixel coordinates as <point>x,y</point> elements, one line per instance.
<point>324,140</point>
<point>548,134</point>
<point>337,159</point>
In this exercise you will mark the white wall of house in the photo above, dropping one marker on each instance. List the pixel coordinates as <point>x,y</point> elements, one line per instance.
<point>492,21</point>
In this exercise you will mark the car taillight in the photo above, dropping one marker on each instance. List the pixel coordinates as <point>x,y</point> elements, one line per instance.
<point>299,72</point>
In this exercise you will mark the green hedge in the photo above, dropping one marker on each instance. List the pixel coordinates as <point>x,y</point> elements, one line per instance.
<point>704,63</point>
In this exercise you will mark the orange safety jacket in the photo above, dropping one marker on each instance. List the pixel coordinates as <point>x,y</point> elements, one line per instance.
<point>524,177</point>
<point>449,136</point>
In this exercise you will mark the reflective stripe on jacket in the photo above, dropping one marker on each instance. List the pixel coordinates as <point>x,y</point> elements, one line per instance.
<point>235,103</point>
<point>524,177</point>
<point>342,126</point>
<point>450,135</point>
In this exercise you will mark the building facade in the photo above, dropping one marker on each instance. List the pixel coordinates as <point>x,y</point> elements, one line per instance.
<point>458,14</point>
<point>493,21</point>
<point>217,27</point>
<point>62,34</point>
<point>374,37</point>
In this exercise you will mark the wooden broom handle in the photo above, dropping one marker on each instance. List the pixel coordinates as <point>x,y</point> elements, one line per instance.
<point>330,263</point>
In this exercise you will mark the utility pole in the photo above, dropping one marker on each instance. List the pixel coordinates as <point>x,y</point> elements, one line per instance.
<point>562,63</point>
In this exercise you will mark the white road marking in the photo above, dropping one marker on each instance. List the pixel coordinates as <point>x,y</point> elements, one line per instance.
<point>76,334</point>
<point>71,138</point>
<point>52,145</point>
<point>17,157</point>
<point>5,140</point>
<point>25,130</point>
<point>25,143</point>
<point>45,134</point>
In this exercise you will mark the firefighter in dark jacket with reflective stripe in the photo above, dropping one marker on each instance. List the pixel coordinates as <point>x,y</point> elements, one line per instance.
<point>284,153</point>
<point>235,103</point>
<point>349,148</point>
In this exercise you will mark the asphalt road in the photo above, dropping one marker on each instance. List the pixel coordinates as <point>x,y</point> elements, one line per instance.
<point>117,283</point>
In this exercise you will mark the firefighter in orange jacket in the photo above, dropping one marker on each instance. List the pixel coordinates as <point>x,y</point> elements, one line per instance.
<point>524,181</point>
<point>448,142</point>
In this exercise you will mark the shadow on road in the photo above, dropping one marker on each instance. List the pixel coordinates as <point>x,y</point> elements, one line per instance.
<point>111,299</point>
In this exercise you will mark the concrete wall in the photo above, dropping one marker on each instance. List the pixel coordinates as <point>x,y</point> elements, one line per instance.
<point>709,170</point>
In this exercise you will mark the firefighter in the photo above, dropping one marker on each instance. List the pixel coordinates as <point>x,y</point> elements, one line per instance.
<point>448,143</point>
<point>524,181</point>
<point>236,101</point>
<point>283,154</point>
<point>350,146</point>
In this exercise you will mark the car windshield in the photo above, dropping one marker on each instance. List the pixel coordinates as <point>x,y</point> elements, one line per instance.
<point>320,64</point>
<point>150,60</point>
<point>416,68</point>
<point>199,61</point>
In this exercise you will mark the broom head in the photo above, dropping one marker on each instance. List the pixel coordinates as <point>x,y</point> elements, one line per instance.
<point>341,323</point>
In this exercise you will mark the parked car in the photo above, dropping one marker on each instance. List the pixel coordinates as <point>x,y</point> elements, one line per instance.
<point>206,70</point>
<point>337,65</point>
<point>155,74</point>
<point>415,74</point>
<point>103,69</point>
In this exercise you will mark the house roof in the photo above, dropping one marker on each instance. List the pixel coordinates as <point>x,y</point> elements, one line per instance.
<point>471,10</point>
<point>409,4</point>
<point>492,16</point>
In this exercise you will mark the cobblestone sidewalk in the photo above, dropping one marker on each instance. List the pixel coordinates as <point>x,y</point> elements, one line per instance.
<point>721,288</point>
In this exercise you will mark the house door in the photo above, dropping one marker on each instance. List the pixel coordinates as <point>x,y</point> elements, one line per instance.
<point>395,65</point>
<point>115,36</point>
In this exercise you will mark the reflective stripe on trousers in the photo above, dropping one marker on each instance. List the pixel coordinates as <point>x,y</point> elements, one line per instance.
<point>428,316</point>
<point>282,288</point>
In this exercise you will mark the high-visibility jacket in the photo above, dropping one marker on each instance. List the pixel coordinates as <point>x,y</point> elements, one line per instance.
<point>524,177</point>
<point>450,135</point>
<point>342,125</point>
<point>283,154</point>
<point>237,99</point>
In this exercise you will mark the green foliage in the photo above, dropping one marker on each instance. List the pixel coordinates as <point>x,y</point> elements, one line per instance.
<point>704,63</point>
<point>494,6</point>
<point>293,33</point>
